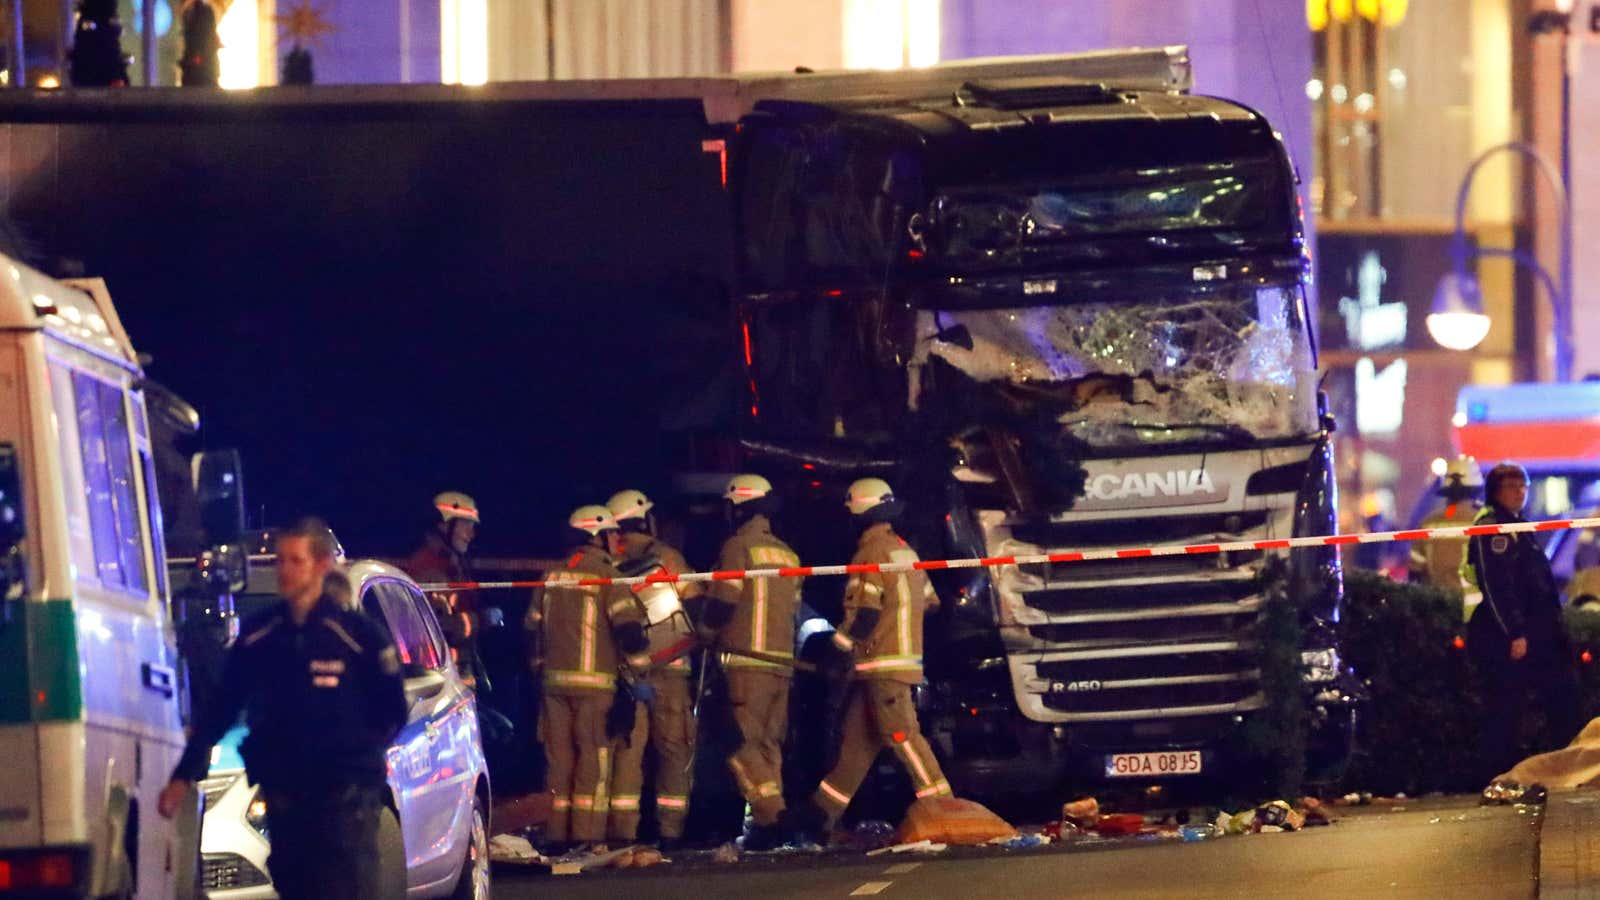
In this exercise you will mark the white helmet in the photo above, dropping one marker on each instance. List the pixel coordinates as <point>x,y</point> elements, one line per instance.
<point>592,520</point>
<point>866,494</point>
<point>629,504</point>
<point>744,488</point>
<point>456,505</point>
<point>1463,470</point>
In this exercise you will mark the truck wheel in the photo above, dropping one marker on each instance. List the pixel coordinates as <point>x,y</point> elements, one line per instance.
<point>474,881</point>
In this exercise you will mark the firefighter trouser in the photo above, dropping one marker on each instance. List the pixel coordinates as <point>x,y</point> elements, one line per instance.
<point>573,729</point>
<point>761,710</point>
<point>667,724</point>
<point>879,715</point>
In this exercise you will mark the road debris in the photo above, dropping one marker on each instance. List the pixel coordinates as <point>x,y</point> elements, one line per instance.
<point>952,820</point>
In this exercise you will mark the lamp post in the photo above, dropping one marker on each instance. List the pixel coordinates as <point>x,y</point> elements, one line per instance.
<point>1457,320</point>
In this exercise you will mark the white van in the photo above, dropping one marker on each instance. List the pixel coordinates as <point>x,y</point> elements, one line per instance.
<point>89,717</point>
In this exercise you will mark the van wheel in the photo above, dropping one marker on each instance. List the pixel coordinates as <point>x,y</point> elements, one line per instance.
<point>474,882</point>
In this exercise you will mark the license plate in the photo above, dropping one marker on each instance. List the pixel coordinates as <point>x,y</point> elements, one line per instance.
<point>1147,765</point>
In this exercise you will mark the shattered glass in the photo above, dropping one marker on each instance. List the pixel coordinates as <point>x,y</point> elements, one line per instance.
<point>1216,361</point>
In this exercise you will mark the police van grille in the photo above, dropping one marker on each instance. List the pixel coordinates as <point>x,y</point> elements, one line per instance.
<point>227,871</point>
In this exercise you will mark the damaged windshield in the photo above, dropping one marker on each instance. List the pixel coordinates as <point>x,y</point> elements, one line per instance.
<point>1222,364</point>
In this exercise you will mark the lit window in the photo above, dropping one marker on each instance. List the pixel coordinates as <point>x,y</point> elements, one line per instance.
<point>891,34</point>
<point>240,33</point>
<point>464,41</point>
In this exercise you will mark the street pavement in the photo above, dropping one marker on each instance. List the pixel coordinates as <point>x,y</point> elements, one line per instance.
<point>1434,848</point>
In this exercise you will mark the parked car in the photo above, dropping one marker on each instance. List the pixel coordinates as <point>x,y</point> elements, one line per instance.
<point>437,828</point>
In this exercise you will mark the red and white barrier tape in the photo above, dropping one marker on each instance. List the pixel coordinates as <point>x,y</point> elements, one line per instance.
<point>1067,556</point>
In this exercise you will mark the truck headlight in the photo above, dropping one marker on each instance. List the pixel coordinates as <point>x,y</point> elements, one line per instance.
<point>1319,666</point>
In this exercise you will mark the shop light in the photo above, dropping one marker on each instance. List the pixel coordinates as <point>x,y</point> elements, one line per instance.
<point>1457,320</point>
<point>239,59</point>
<point>464,41</point>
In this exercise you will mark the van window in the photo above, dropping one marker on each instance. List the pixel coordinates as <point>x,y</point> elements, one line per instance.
<point>156,525</point>
<point>108,477</point>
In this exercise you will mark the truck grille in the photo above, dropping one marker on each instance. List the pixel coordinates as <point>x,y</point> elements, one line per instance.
<point>1158,638</point>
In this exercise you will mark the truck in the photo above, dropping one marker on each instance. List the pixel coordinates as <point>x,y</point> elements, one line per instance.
<point>90,724</point>
<point>1059,299</point>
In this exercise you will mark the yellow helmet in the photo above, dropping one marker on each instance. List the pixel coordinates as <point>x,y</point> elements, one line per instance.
<point>745,488</point>
<point>867,494</point>
<point>592,520</point>
<point>629,504</point>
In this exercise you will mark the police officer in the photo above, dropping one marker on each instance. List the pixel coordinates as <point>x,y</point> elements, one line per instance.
<point>666,721</point>
<point>579,635</point>
<point>756,614</point>
<point>1515,635</point>
<point>879,641</point>
<point>320,686</point>
<point>1438,561</point>
<point>443,556</point>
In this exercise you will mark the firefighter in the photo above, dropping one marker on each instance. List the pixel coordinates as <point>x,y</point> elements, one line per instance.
<point>756,614</point>
<point>443,556</point>
<point>1437,561</point>
<point>578,635</point>
<point>879,641</point>
<point>665,720</point>
<point>1515,637</point>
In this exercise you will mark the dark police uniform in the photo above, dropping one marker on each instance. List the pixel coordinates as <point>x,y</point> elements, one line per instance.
<point>322,701</point>
<point>1519,601</point>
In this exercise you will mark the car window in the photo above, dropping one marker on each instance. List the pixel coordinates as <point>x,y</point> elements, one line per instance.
<point>425,610</point>
<point>412,638</point>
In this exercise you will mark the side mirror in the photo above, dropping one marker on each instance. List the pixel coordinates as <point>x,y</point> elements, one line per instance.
<point>219,488</point>
<point>13,527</point>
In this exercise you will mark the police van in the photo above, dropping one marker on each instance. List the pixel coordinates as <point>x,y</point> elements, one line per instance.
<point>89,714</point>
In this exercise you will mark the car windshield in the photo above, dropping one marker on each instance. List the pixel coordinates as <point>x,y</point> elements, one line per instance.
<point>1214,364</point>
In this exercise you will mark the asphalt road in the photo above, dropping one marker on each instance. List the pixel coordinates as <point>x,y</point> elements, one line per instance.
<point>1437,848</point>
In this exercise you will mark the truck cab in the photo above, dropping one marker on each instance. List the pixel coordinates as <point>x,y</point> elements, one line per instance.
<point>1061,315</point>
<point>89,710</point>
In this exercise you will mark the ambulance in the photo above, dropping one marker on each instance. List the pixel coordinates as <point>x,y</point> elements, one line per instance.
<point>90,721</point>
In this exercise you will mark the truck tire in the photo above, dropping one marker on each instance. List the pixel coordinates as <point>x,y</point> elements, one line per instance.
<point>474,881</point>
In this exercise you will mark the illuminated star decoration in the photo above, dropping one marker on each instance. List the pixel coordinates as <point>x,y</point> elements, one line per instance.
<point>304,22</point>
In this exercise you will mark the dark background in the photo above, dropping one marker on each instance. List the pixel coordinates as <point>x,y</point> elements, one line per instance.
<point>377,302</point>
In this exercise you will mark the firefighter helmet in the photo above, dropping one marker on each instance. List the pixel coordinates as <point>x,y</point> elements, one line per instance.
<point>629,504</point>
<point>592,520</point>
<point>456,505</point>
<point>1461,474</point>
<point>866,494</point>
<point>743,489</point>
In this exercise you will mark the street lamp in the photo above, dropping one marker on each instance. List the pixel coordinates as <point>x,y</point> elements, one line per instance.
<point>1457,319</point>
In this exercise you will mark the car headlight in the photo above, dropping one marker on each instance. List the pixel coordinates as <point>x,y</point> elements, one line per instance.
<point>1320,666</point>
<point>256,815</point>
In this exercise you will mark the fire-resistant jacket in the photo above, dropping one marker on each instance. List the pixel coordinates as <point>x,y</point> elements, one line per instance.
<point>764,608</point>
<point>893,651</point>
<point>577,625</point>
<point>667,559</point>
